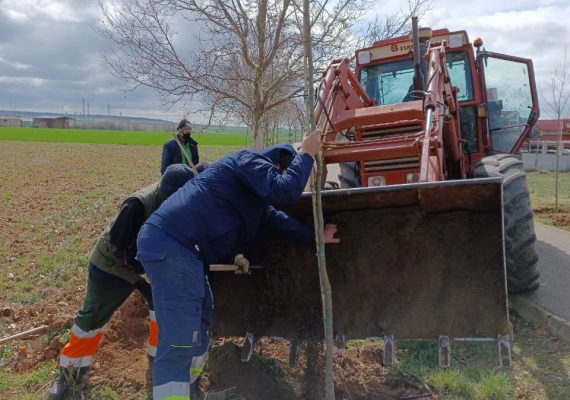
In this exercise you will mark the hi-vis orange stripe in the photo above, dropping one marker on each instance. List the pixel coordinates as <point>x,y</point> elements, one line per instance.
<point>152,333</point>
<point>81,347</point>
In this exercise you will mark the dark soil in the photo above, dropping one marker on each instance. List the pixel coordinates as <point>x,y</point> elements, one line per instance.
<point>560,220</point>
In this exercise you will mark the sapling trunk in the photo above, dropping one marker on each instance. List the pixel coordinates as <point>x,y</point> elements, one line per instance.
<point>326,292</point>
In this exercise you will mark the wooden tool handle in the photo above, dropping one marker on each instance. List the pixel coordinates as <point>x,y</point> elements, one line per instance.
<point>21,335</point>
<point>223,268</point>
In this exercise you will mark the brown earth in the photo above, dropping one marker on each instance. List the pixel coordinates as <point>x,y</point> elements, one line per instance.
<point>121,363</point>
<point>560,220</point>
<point>55,204</point>
<point>57,198</point>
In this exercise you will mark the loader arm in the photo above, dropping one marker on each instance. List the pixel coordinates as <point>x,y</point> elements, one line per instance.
<point>429,124</point>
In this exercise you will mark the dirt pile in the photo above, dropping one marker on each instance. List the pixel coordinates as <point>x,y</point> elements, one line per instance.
<point>121,363</point>
<point>121,360</point>
<point>358,373</point>
<point>560,220</point>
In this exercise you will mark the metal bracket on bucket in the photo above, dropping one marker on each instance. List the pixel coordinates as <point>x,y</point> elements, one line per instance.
<point>389,351</point>
<point>340,342</point>
<point>505,355</point>
<point>444,351</point>
<point>293,352</point>
<point>247,348</point>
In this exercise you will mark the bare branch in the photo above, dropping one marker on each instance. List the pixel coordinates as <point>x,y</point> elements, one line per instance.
<point>246,62</point>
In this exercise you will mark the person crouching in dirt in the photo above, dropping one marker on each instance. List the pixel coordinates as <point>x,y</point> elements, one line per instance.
<point>209,221</point>
<point>113,275</point>
<point>171,151</point>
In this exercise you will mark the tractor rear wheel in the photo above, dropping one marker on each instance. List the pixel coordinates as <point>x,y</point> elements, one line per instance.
<point>521,257</point>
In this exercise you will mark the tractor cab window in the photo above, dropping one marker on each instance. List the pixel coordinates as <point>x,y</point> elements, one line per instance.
<point>391,83</point>
<point>460,74</point>
<point>511,99</point>
<point>388,83</point>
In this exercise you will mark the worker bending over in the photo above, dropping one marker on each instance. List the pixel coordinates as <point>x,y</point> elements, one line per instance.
<point>113,275</point>
<point>209,221</point>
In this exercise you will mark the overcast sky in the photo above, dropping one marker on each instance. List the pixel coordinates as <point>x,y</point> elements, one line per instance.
<point>50,54</point>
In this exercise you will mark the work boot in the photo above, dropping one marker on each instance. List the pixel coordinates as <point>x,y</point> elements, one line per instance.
<point>67,379</point>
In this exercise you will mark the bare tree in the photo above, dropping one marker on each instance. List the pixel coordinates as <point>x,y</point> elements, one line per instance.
<point>247,58</point>
<point>557,99</point>
<point>392,25</point>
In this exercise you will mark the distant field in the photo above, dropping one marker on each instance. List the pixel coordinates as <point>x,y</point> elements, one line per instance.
<point>113,137</point>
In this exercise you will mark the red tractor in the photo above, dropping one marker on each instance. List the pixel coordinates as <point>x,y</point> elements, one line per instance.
<point>432,206</point>
<point>453,113</point>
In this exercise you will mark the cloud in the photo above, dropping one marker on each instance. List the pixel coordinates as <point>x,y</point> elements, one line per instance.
<point>50,53</point>
<point>529,29</point>
<point>23,11</point>
<point>50,60</point>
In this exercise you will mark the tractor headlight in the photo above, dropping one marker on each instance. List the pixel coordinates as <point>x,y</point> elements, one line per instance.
<point>376,181</point>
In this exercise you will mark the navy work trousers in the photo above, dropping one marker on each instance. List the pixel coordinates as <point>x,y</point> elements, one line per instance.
<point>184,306</point>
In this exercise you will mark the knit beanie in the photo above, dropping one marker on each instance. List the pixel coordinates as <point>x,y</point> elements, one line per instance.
<point>183,124</point>
<point>175,176</point>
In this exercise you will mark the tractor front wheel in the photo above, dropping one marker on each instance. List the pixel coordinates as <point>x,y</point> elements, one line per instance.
<point>520,252</point>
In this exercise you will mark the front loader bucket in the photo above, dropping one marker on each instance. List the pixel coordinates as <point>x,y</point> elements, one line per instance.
<point>416,261</point>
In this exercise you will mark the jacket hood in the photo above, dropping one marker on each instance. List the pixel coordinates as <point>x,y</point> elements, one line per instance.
<point>274,152</point>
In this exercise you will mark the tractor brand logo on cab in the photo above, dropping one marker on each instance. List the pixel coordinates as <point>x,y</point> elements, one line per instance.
<point>398,48</point>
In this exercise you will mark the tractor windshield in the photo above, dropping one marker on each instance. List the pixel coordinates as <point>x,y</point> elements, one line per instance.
<point>390,83</point>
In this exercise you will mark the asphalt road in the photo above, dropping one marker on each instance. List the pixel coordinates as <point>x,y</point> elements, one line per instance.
<point>553,247</point>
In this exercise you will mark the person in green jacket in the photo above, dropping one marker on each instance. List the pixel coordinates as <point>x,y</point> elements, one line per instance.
<point>114,274</point>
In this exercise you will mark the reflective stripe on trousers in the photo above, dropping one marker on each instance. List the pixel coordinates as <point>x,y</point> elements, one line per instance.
<point>81,348</point>
<point>152,335</point>
<point>171,391</point>
<point>177,390</point>
<point>197,367</point>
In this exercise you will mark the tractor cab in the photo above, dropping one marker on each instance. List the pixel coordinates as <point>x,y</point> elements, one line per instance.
<point>496,93</point>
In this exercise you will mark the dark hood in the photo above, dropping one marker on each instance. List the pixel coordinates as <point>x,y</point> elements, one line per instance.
<point>274,152</point>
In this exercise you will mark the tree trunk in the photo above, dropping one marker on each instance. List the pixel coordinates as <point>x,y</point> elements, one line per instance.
<point>326,291</point>
<point>559,149</point>
<point>255,138</point>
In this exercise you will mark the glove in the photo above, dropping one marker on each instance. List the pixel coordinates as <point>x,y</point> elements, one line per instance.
<point>243,264</point>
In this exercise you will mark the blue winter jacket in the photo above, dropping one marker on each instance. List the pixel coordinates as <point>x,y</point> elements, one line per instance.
<point>226,206</point>
<point>171,154</point>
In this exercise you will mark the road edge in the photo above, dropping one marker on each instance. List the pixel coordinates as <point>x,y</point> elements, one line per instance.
<point>540,317</point>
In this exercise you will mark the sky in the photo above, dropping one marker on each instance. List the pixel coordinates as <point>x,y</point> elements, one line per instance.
<point>50,54</point>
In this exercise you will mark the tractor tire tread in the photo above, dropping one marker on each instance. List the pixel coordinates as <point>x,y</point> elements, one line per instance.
<point>520,239</point>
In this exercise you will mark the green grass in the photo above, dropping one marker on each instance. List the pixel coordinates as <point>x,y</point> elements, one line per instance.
<point>541,185</point>
<point>113,137</point>
<point>472,376</point>
<point>6,353</point>
<point>31,383</point>
<point>454,382</point>
<point>108,393</point>
<point>494,386</point>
